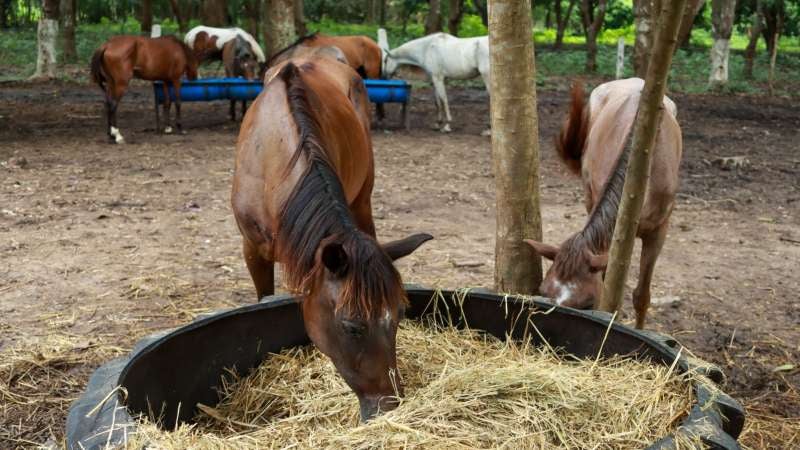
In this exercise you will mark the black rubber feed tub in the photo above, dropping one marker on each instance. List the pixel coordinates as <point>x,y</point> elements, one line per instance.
<point>168,373</point>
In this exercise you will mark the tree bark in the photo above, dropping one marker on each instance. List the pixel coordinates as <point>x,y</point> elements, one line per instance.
<point>69,53</point>
<point>752,44</point>
<point>5,8</point>
<point>47,37</point>
<point>515,146</point>
<point>722,14</point>
<point>180,16</point>
<point>371,12</point>
<point>593,13</point>
<point>638,170</point>
<point>252,10</point>
<point>214,13</point>
<point>643,20</point>
<point>691,10</point>
<point>456,12</point>
<point>278,25</point>
<point>562,20</point>
<point>382,12</point>
<point>299,18</point>
<point>146,16</point>
<point>773,19</point>
<point>433,23</point>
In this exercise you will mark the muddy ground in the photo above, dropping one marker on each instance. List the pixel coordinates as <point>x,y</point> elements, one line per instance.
<point>101,245</point>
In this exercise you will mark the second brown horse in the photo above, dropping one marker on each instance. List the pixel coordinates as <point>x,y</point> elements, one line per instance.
<point>302,196</point>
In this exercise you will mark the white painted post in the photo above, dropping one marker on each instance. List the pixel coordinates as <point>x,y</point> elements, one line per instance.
<point>155,31</point>
<point>620,57</point>
<point>383,39</point>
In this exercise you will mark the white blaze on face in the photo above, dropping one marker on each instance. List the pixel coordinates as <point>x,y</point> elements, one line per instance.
<point>386,320</point>
<point>565,291</point>
<point>117,135</point>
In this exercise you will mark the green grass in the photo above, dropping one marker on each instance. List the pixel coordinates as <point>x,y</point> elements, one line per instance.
<point>689,71</point>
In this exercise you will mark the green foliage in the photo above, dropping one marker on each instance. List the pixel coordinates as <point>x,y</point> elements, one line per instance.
<point>472,26</point>
<point>619,14</point>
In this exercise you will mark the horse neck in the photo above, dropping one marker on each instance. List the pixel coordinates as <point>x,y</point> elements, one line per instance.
<point>410,52</point>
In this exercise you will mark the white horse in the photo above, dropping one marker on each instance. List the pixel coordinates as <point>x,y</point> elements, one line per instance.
<point>441,56</point>
<point>220,36</point>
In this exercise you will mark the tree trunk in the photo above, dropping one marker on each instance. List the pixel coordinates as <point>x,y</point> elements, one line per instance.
<point>252,10</point>
<point>146,16</point>
<point>773,18</point>
<point>69,52</point>
<point>47,37</point>
<point>752,45</point>
<point>643,20</point>
<point>548,17</point>
<point>722,14</point>
<point>180,16</point>
<point>562,20</point>
<point>278,25</point>
<point>515,146</point>
<point>638,170</point>
<point>382,12</point>
<point>300,18</point>
<point>483,11</point>
<point>691,11</point>
<point>214,13</point>
<point>5,9</point>
<point>594,12</point>
<point>433,23</point>
<point>455,14</point>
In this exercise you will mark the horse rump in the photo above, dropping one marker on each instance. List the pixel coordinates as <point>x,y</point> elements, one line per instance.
<point>571,141</point>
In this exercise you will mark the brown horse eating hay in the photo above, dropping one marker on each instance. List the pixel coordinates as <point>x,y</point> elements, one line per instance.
<point>122,58</point>
<point>302,196</point>
<point>593,143</point>
<point>239,61</point>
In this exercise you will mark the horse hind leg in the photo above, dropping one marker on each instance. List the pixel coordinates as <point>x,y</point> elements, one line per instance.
<point>112,103</point>
<point>167,105</point>
<point>178,124</point>
<point>441,93</point>
<point>652,243</point>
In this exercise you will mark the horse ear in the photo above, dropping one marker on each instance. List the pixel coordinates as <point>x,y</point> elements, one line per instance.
<point>545,250</point>
<point>597,262</point>
<point>404,247</point>
<point>335,258</point>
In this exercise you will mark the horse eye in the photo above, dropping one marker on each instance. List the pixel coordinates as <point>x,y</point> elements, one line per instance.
<point>354,329</point>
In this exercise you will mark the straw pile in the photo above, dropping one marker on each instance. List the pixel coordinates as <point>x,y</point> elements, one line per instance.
<point>463,390</point>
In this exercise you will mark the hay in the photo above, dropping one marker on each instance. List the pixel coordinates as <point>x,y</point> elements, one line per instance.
<point>463,390</point>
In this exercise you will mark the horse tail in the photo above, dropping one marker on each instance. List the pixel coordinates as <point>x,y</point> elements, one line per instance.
<point>571,141</point>
<point>96,66</point>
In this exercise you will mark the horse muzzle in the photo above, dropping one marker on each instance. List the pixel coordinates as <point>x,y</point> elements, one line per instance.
<point>370,406</point>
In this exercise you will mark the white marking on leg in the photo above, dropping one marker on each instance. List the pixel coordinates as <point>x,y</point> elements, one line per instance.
<point>168,130</point>
<point>117,135</point>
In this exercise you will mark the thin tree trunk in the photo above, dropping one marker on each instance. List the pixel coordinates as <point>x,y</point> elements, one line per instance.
<point>752,45</point>
<point>146,16</point>
<point>47,36</point>
<point>515,146</point>
<point>773,18</point>
<point>5,9</point>
<point>772,59</point>
<point>370,11</point>
<point>300,18</point>
<point>69,52</point>
<point>722,14</point>
<point>278,25</point>
<point>252,10</point>
<point>594,12</point>
<point>638,170</point>
<point>483,11</point>
<point>643,20</point>
<point>214,13</point>
<point>455,14</point>
<point>562,20</point>
<point>180,16</point>
<point>433,23</point>
<point>691,10</point>
<point>382,12</point>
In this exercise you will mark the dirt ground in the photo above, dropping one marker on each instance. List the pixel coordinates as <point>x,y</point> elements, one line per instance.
<point>101,245</point>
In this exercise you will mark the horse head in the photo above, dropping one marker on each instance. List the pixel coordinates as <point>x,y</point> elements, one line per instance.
<point>575,277</point>
<point>245,58</point>
<point>389,65</point>
<point>351,312</point>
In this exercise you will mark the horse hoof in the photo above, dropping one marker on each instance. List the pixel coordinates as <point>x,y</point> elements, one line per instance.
<point>446,129</point>
<point>168,130</point>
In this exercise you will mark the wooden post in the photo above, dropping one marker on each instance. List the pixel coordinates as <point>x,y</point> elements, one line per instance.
<point>638,171</point>
<point>620,57</point>
<point>515,146</point>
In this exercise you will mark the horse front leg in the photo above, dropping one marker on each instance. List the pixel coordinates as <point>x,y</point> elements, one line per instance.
<point>244,108</point>
<point>178,124</point>
<point>166,106</point>
<point>652,243</point>
<point>232,111</point>
<point>441,93</point>
<point>114,96</point>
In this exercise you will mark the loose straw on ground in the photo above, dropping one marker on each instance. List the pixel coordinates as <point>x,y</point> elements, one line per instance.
<point>463,390</point>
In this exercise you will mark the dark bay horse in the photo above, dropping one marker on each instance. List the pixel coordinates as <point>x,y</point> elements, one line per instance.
<point>122,58</point>
<point>239,61</point>
<point>594,142</point>
<point>302,196</point>
<point>362,54</point>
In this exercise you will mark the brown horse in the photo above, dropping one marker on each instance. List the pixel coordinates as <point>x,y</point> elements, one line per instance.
<point>301,196</point>
<point>122,58</point>
<point>593,142</point>
<point>360,52</point>
<point>239,61</point>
